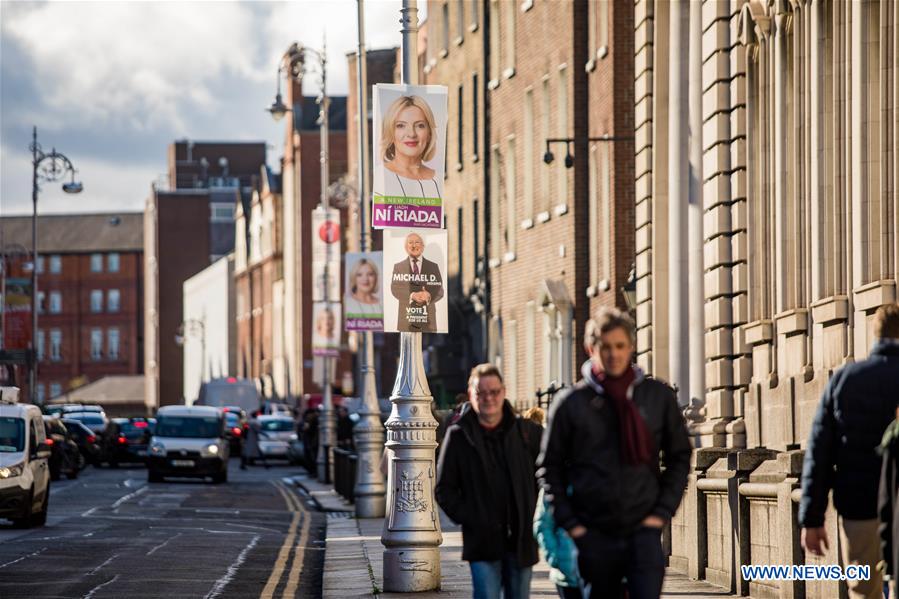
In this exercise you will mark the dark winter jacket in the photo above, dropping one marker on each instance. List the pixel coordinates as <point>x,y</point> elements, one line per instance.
<point>887,501</point>
<point>581,450</point>
<point>858,404</point>
<point>465,489</point>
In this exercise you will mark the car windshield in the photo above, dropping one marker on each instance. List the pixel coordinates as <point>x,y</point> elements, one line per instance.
<point>277,425</point>
<point>76,427</point>
<point>12,434</point>
<point>188,426</point>
<point>88,418</point>
<point>232,419</point>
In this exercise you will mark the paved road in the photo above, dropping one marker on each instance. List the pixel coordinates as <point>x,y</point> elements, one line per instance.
<point>111,535</point>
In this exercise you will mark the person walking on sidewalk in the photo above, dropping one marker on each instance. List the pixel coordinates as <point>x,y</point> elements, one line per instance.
<point>558,551</point>
<point>486,482</point>
<point>857,406</point>
<point>599,464</point>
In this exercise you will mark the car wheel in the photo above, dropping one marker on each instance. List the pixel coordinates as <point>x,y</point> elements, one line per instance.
<point>40,518</point>
<point>153,477</point>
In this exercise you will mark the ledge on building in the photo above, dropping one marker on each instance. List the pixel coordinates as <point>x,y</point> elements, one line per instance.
<point>458,166</point>
<point>473,27</point>
<point>493,263</point>
<point>543,217</point>
<point>561,209</point>
<point>509,72</point>
<point>475,158</point>
<point>527,223</point>
<point>830,309</point>
<point>509,257</point>
<point>791,321</point>
<point>458,41</point>
<point>443,53</point>
<point>527,5</point>
<point>873,295</point>
<point>602,52</point>
<point>493,84</point>
<point>760,331</point>
<point>590,66</point>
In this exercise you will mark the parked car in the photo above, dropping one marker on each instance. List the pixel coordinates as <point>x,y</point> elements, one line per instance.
<point>24,453</point>
<point>126,440</point>
<point>69,408</point>
<point>189,441</point>
<point>276,433</point>
<point>96,421</point>
<point>65,457</point>
<point>235,427</point>
<point>88,443</point>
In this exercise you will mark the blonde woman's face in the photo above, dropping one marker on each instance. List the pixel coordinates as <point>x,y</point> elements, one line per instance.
<point>365,278</point>
<point>411,133</point>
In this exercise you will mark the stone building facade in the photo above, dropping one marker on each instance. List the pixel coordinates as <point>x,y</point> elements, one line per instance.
<point>766,203</point>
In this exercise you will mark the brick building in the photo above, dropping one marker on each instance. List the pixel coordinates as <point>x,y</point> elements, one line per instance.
<point>90,297</point>
<point>188,224</point>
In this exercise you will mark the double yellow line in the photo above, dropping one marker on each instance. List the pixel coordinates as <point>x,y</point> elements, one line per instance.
<point>290,544</point>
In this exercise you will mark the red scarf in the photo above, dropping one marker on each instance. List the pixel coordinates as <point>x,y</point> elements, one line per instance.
<point>636,442</point>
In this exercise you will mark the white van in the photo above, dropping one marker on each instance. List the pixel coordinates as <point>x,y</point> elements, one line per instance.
<point>188,441</point>
<point>24,461</point>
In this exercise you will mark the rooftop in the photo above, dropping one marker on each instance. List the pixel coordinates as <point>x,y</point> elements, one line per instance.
<point>77,233</point>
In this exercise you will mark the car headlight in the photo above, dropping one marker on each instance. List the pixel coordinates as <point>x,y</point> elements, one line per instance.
<point>213,449</point>
<point>157,449</point>
<point>11,471</point>
<point>293,437</point>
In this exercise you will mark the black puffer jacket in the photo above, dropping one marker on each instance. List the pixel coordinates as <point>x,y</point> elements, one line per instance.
<point>581,469</point>
<point>858,404</point>
<point>464,490</point>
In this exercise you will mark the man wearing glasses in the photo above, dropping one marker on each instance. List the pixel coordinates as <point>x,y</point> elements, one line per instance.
<point>486,482</point>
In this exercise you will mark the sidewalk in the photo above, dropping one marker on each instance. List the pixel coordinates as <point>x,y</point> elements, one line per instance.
<point>353,558</point>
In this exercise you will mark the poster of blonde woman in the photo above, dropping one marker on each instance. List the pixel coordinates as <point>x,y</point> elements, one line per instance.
<point>362,306</point>
<point>325,328</point>
<point>409,150</point>
<point>413,290</point>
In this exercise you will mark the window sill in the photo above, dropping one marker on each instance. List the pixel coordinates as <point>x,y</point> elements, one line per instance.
<point>443,53</point>
<point>475,158</point>
<point>791,321</point>
<point>509,257</point>
<point>458,166</point>
<point>873,295</point>
<point>427,69</point>
<point>509,73</point>
<point>527,223</point>
<point>458,41</point>
<point>527,5</point>
<point>602,52</point>
<point>473,27</point>
<point>590,66</point>
<point>758,332</point>
<point>543,216</point>
<point>561,209</point>
<point>830,310</point>
<point>493,84</point>
<point>493,263</point>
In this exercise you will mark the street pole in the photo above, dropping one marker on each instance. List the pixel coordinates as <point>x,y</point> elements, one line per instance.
<point>411,534</point>
<point>326,428</point>
<point>368,432</point>
<point>32,372</point>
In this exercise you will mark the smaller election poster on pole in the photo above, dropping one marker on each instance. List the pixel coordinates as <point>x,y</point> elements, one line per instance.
<point>409,155</point>
<point>325,250</point>
<point>414,287</point>
<point>325,329</point>
<point>362,305</point>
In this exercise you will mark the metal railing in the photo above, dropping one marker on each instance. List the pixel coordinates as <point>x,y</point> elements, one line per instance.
<point>345,473</point>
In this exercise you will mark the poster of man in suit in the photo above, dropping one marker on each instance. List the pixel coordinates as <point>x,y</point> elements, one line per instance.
<point>413,291</point>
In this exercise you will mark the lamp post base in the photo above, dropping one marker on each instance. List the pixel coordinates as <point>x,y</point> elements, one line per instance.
<point>371,506</point>
<point>411,570</point>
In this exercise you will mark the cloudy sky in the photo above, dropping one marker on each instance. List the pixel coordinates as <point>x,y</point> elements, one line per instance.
<point>111,84</point>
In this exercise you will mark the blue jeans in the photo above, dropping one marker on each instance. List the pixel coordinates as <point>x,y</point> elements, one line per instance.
<point>489,578</point>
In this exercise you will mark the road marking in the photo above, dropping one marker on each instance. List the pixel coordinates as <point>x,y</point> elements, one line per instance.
<point>163,544</point>
<point>284,553</point>
<point>128,497</point>
<point>100,586</point>
<point>293,578</point>
<point>222,582</point>
<point>98,568</point>
<point>24,557</point>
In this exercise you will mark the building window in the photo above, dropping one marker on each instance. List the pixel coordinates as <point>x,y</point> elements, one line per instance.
<point>513,363</point>
<point>602,25</point>
<point>511,211</point>
<point>474,15</point>
<point>40,345</point>
<point>460,22</point>
<point>605,212</point>
<point>445,30</point>
<point>55,264</point>
<point>474,115</point>
<point>528,179</point>
<point>476,232</point>
<point>41,302</point>
<point>593,219</point>
<point>495,48</point>
<point>545,116</point>
<point>222,212</point>
<point>96,301</point>
<point>55,302</point>
<point>460,245</point>
<point>509,20</point>
<point>113,298</point>
<point>112,262</point>
<point>460,138</point>
<point>96,262</point>
<point>530,342</point>
<point>55,390</point>
<point>495,240</point>
<point>562,131</point>
<point>96,344</point>
<point>55,345</point>
<point>41,393</point>
<point>112,343</point>
<point>40,264</point>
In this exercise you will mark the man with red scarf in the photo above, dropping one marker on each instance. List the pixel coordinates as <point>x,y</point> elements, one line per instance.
<point>600,466</point>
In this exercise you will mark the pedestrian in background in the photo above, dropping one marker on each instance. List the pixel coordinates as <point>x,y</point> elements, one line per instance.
<point>888,502</point>
<point>558,551</point>
<point>250,452</point>
<point>857,406</point>
<point>535,414</point>
<point>486,483</point>
<point>600,467</point>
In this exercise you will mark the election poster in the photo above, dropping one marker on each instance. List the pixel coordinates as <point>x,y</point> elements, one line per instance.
<point>325,250</point>
<point>325,329</point>
<point>409,149</point>
<point>415,283</point>
<point>362,303</point>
